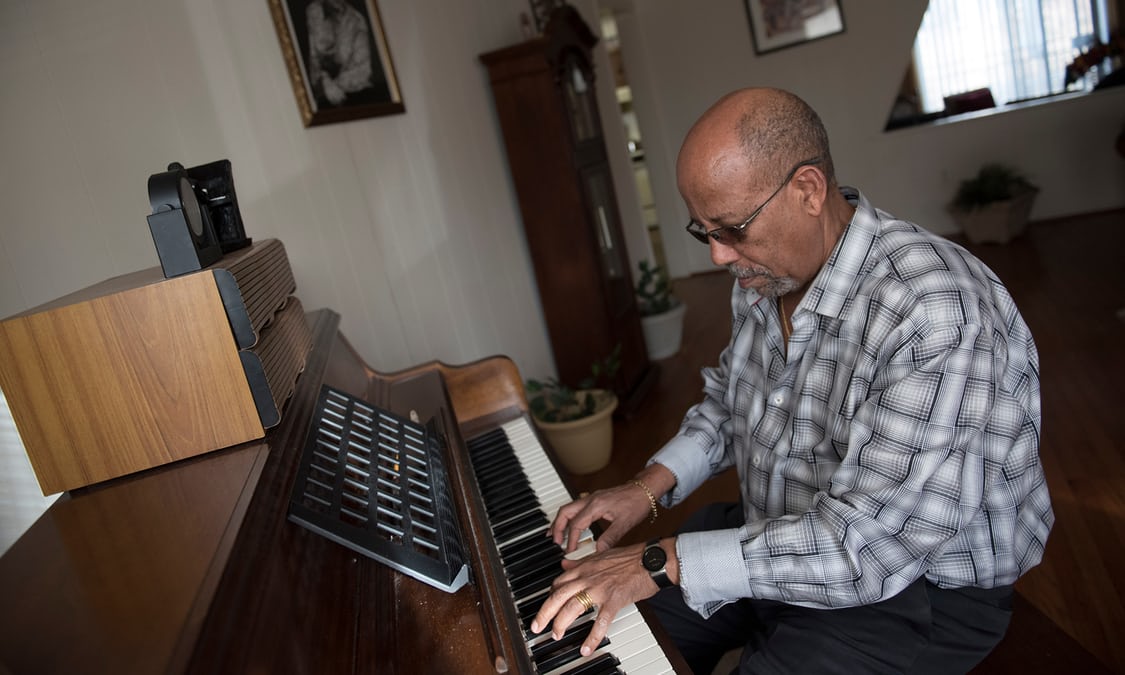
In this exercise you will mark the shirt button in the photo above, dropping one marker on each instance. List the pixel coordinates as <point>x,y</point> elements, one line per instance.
<point>778,400</point>
<point>757,460</point>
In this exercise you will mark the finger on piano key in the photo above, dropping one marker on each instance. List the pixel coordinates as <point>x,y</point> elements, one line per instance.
<point>564,652</point>
<point>620,629</point>
<point>632,643</point>
<point>586,546</point>
<point>538,642</point>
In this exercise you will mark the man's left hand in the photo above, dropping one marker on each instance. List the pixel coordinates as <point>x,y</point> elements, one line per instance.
<point>612,580</point>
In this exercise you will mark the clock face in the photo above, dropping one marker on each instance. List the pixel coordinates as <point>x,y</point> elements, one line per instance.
<point>192,213</point>
<point>654,558</point>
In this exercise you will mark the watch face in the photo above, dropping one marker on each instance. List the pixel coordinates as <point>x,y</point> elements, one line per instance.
<point>192,212</point>
<point>654,558</point>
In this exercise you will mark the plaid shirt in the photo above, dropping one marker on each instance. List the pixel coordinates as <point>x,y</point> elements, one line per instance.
<point>898,439</point>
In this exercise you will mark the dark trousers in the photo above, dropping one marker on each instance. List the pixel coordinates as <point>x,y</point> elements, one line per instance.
<point>922,630</point>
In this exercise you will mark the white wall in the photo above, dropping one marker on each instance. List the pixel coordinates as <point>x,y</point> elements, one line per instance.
<point>681,56</point>
<point>406,225</point>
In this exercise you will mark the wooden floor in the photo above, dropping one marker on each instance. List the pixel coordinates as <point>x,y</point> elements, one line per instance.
<point>1068,278</point>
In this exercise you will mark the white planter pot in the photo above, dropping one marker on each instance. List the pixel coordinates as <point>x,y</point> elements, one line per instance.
<point>664,332</point>
<point>998,222</point>
<point>584,445</point>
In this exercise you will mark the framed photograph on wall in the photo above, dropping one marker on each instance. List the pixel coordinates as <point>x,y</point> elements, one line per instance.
<point>783,23</point>
<point>337,57</point>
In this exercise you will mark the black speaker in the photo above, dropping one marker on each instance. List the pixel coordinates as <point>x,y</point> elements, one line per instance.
<point>214,186</point>
<point>181,228</point>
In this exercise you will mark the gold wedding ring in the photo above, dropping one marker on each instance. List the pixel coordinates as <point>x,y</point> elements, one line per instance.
<point>585,599</point>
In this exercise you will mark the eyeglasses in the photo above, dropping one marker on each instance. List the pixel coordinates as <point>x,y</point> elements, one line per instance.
<point>729,235</point>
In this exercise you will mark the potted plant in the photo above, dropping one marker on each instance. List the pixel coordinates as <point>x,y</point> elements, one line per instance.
<point>578,421</point>
<point>994,205</point>
<point>662,313</point>
<point>1092,57</point>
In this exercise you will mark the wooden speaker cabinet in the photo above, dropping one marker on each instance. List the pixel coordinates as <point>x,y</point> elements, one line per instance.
<point>139,371</point>
<point>544,94</point>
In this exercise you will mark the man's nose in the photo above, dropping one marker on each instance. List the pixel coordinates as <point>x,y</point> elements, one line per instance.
<point>721,254</point>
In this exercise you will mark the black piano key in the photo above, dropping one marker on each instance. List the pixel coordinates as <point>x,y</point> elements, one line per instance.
<point>547,645</point>
<point>550,648</point>
<point>522,498</point>
<point>528,546</point>
<point>501,477</point>
<point>501,484</point>
<point>486,440</point>
<point>536,577</point>
<point>546,556</point>
<point>604,664</point>
<point>485,456</point>
<point>529,606</point>
<point>565,656</point>
<point>511,511</point>
<point>514,494</point>
<point>512,504</point>
<point>538,549</point>
<point>513,549</point>
<point>498,468</point>
<point>499,490</point>
<point>534,581</point>
<point>513,508</point>
<point>508,492</point>
<point>520,525</point>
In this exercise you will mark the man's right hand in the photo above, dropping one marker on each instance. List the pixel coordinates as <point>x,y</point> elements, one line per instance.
<point>623,507</point>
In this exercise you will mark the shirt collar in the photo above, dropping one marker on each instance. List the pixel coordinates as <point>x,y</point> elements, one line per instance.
<point>837,280</point>
<point>849,261</point>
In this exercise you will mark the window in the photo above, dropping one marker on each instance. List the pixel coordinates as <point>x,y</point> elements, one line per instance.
<point>971,54</point>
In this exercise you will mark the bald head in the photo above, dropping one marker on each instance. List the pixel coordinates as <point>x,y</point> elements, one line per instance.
<point>765,131</point>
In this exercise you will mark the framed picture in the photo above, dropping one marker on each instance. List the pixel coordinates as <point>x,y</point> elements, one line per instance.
<point>541,11</point>
<point>783,23</point>
<point>338,61</point>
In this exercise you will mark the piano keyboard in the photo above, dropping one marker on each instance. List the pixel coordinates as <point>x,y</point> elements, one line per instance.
<point>522,492</point>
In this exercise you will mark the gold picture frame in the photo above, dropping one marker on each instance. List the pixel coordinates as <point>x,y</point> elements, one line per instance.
<point>776,24</point>
<point>338,61</point>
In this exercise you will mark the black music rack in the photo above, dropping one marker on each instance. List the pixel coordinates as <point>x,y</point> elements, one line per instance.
<point>375,482</point>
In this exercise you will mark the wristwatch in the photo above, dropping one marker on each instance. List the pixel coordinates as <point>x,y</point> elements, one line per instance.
<point>654,559</point>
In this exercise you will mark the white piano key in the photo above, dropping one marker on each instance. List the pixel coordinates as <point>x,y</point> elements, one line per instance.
<point>633,643</point>
<point>585,547</point>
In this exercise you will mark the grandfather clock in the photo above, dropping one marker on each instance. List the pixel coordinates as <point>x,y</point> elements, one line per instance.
<point>545,100</point>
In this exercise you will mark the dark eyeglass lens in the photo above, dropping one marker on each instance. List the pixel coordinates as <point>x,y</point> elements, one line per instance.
<point>727,236</point>
<point>724,235</point>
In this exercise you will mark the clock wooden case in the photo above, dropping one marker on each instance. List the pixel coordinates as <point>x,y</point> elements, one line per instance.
<point>544,94</point>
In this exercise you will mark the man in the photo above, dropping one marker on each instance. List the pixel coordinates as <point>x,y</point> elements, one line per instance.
<point>879,399</point>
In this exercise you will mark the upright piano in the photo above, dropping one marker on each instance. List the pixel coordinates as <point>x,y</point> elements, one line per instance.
<point>196,567</point>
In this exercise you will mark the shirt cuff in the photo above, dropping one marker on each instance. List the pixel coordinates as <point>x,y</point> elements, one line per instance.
<point>681,457</point>
<point>712,571</point>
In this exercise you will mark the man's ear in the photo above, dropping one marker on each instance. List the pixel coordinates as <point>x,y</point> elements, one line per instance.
<point>813,186</point>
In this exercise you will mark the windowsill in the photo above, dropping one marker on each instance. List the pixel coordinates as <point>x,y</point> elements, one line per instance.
<point>941,118</point>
